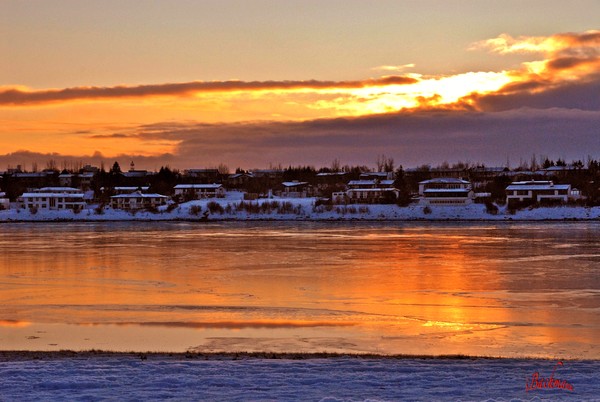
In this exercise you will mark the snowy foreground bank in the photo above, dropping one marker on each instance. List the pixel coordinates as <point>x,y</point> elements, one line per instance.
<point>157,377</point>
<point>233,208</point>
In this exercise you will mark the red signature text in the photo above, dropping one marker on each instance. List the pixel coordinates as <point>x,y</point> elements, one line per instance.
<point>538,382</point>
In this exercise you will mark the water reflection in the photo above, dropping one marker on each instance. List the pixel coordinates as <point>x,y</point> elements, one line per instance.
<point>502,290</point>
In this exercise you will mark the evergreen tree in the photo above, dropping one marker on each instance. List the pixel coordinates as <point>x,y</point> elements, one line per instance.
<point>115,168</point>
<point>401,184</point>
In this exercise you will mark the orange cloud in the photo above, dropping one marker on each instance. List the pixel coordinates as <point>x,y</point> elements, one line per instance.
<point>394,68</point>
<point>20,96</point>
<point>567,58</point>
<point>549,45</point>
<point>82,120</point>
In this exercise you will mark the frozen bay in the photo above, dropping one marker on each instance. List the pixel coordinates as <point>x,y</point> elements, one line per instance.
<point>492,289</point>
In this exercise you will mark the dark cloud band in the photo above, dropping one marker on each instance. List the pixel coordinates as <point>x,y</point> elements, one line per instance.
<point>18,97</point>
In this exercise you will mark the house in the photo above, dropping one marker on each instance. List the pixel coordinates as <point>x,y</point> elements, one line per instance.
<point>371,195</point>
<point>448,191</point>
<point>137,174</point>
<point>268,173</point>
<point>263,181</point>
<point>204,175</point>
<point>481,176</point>
<point>85,180</point>
<point>331,182</point>
<point>537,191</point>
<point>53,199</point>
<point>82,180</point>
<point>198,191</point>
<point>134,173</point>
<point>374,183</point>
<point>30,181</point>
<point>376,176</point>
<point>90,169</point>
<point>238,180</point>
<point>117,190</point>
<point>448,172</point>
<point>563,170</point>
<point>129,189</point>
<point>65,179</point>
<point>331,178</point>
<point>59,190</point>
<point>374,191</point>
<point>294,189</point>
<point>136,201</point>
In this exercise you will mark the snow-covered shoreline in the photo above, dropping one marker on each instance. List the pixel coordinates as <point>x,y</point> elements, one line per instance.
<point>133,377</point>
<point>233,208</point>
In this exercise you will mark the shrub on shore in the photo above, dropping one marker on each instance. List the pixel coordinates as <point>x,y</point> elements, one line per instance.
<point>268,207</point>
<point>195,210</point>
<point>214,207</point>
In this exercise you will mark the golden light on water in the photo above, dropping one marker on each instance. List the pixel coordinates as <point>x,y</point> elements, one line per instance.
<point>405,289</point>
<point>14,323</point>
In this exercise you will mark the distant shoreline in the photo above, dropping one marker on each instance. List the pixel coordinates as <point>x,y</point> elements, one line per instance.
<point>9,355</point>
<point>355,220</point>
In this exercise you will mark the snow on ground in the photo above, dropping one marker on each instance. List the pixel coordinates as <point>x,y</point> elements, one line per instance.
<point>301,209</point>
<point>127,377</point>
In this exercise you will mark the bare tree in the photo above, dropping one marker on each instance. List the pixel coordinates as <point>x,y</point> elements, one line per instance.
<point>533,165</point>
<point>335,165</point>
<point>381,163</point>
<point>388,165</point>
<point>223,169</point>
<point>51,165</point>
<point>461,165</point>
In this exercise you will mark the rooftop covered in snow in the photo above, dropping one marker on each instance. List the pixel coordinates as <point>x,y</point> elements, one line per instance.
<point>445,180</point>
<point>137,194</point>
<point>197,186</point>
<point>537,185</point>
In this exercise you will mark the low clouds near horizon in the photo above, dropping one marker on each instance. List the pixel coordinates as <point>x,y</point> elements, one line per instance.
<point>412,138</point>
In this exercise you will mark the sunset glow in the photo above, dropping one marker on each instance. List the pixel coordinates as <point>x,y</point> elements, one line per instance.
<point>106,118</point>
<point>299,200</point>
<point>118,118</point>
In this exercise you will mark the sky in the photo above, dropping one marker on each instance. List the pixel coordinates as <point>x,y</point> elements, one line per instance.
<point>255,84</point>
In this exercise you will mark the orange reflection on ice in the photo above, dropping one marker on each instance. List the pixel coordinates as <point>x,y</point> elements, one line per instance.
<point>264,324</point>
<point>389,288</point>
<point>14,323</point>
